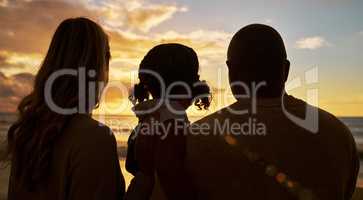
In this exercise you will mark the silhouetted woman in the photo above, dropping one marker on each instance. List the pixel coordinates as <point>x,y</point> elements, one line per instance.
<point>169,74</point>
<point>57,150</point>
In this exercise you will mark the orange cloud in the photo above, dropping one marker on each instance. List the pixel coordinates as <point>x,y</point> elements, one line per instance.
<point>24,39</point>
<point>148,17</point>
<point>13,63</point>
<point>133,14</point>
<point>3,3</point>
<point>27,26</point>
<point>13,89</point>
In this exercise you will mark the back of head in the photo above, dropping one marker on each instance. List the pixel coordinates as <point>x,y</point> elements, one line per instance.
<point>257,53</point>
<point>77,43</point>
<point>173,62</point>
<point>171,69</point>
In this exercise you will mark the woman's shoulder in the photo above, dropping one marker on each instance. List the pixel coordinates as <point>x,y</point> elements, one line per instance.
<point>87,130</point>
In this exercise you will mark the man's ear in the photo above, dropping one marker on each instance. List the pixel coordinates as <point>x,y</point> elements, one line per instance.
<point>286,69</point>
<point>230,68</point>
<point>228,64</point>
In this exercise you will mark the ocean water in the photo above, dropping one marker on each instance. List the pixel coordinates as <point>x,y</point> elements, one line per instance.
<point>355,125</point>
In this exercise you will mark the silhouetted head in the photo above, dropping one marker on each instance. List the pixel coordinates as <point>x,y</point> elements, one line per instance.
<point>78,43</point>
<point>257,53</point>
<point>171,69</point>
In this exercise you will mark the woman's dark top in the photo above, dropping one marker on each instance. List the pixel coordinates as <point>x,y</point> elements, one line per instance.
<point>85,165</point>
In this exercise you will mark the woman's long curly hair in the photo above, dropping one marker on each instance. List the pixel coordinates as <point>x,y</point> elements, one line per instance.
<point>171,63</point>
<point>77,43</point>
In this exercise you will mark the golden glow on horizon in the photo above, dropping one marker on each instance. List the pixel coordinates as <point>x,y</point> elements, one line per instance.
<point>117,105</point>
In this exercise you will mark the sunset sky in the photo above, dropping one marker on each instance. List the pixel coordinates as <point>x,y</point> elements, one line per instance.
<point>322,34</point>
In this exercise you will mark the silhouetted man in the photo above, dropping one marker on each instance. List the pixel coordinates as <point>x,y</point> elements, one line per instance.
<point>269,145</point>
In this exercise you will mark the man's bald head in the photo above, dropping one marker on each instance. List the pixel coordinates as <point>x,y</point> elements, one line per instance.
<point>257,53</point>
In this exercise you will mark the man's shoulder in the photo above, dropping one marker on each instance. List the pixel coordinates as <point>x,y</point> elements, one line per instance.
<point>329,121</point>
<point>328,124</point>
